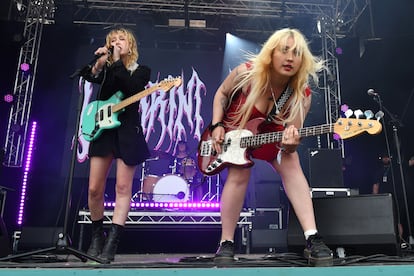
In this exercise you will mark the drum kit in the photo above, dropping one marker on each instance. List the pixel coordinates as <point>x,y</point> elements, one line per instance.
<point>168,179</point>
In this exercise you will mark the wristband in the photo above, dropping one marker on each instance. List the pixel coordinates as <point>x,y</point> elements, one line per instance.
<point>213,127</point>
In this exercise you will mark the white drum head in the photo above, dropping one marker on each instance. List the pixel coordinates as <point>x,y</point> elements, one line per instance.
<point>171,188</point>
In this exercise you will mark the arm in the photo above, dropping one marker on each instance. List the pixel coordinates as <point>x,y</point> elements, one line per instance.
<point>220,102</point>
<point>291,138</point>
<point>223,93</point>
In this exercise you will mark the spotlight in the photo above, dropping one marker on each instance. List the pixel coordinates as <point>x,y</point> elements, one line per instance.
<point>19,5</point>
<point>319,26</point>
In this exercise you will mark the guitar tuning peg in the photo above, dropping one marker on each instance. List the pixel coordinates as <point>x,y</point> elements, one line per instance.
<point>358,113</point>
<point>368,114</point>
<point>348,113</point>
<point>379,115</point>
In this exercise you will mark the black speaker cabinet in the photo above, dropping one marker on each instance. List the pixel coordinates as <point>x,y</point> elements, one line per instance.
<point>362,225</point>
<point>38,237</point>
<point>4,240</point>
<point>267,233</point>
<point>325,168</point>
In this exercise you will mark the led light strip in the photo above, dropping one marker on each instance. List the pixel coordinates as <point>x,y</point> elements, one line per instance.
<point>181,205</point>
<point>26,173</point>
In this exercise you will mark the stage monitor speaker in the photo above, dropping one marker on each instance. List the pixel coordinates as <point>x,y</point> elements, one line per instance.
<point>362,225</point>
<point>4,240</point>
<point>32,238</point>
<point>268,235</point>
<point>268,194</point>
<point>325,168</point>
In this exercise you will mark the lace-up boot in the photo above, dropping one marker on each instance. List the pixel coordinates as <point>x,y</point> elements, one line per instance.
<point>225,253</point>
<point>316,251</point>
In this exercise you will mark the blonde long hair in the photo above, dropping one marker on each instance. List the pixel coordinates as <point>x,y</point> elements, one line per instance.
<point>133,55</point>
<point>259,76</point>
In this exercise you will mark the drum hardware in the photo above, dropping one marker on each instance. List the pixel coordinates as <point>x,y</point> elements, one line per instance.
<point>209,196</point>
<point>174,166</point>
<point>153,158</point>
<point>139,194</point>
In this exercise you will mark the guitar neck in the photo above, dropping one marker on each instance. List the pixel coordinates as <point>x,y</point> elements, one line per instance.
<point>272,137</point>
<point>130,100</point>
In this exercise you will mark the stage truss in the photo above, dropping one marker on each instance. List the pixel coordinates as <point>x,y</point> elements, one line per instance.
<point>174,219</point>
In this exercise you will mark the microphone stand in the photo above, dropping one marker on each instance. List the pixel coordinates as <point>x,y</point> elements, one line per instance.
<point>63,244</point>
<point>395,125</point>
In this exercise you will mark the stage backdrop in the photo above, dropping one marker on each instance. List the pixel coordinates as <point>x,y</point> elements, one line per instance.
<point>185,111</point>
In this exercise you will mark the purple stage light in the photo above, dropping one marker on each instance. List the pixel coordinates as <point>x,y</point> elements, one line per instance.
<point>175,205</point>
<point>8,98</point>
<point>27,165</point>
<point>25,67</point>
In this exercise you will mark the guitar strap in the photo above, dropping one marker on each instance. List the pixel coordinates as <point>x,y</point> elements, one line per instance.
<point>279,104</point>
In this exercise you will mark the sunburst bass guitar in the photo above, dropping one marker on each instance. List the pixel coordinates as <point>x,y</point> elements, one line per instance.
<point>101,115</point>
<point>238,143</point>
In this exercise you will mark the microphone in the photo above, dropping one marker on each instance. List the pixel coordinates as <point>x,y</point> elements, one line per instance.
<point>372,92</point>
<point>83,71</point>
<point>110,51</point>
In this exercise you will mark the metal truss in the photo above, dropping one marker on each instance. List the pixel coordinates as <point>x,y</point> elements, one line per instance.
<point>127,12</point>
<point>337,23</point>
<point>38,12</point>
<point>169,218</point>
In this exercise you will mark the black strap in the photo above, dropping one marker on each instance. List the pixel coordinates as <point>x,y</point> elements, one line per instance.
<point>280,103</point>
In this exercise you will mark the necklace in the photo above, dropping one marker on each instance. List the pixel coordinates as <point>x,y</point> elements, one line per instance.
<point>274,100</point>
<point>282,100</point>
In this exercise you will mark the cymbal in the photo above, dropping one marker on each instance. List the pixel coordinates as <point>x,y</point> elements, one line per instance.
<point>159,154</point>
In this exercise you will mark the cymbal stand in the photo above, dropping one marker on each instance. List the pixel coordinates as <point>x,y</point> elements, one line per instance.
<point>174,167</point>
<point>140,192</point>
<point>209,196</point>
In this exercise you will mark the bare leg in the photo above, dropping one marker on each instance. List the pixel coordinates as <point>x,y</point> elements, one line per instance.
<point>297,189</point>
<point>99,167</point>
<point>124,179</point>
<point>232,199</point>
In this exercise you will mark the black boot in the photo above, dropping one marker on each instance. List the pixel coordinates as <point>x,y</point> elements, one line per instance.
<point>97,239</point>
<point>111,244</point>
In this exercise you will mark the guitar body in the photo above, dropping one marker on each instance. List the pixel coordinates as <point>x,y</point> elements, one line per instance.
<point>259,137</point>
<point>99,116</point>
<point>233,153</point>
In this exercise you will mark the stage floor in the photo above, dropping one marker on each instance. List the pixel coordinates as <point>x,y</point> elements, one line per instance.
<point>178,263</point>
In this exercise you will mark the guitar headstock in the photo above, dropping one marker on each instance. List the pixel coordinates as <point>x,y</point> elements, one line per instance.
<point>350,127</point>
<point>169,83</point>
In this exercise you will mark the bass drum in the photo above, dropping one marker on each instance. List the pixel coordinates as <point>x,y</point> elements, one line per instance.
<point>171,188</point>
